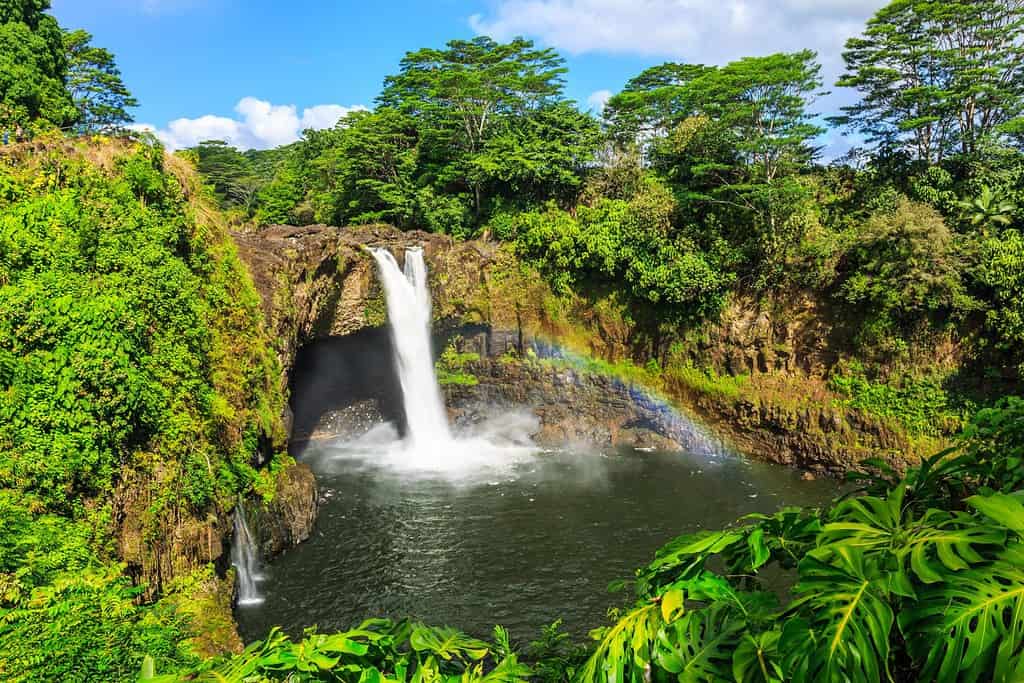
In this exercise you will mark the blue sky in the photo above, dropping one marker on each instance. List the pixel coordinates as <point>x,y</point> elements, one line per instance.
<point>258,71</point>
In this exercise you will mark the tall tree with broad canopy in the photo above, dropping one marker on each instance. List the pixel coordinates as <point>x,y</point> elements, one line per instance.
<point>463,95</point>
<point>33,67</point>
<point>653,102</point>
<point>99,94</point>
<point>763,103</point>
<point>937,78</point>
<point>742,150</point>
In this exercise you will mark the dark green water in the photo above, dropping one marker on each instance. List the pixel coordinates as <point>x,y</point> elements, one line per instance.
<point>540,541</point>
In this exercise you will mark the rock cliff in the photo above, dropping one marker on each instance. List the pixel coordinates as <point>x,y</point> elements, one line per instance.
<point>319,283</point>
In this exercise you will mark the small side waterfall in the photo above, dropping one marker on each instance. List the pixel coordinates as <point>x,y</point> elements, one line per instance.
<point>408,301</point>
<point>245,560</point>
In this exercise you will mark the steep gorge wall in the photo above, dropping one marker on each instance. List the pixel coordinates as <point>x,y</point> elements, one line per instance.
<point>318,282</point>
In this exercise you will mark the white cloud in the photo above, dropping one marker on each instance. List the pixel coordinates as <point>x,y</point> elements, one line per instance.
<point>695,31</point>
<point>259,125</point>
<point>598,99</point>
<point>709,31</point>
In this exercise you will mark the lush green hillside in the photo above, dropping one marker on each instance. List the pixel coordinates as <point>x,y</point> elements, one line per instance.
<point>135,381</point>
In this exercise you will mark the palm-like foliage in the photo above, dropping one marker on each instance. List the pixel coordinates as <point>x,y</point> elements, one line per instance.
<point>988,210</point>
<point>920,581</point>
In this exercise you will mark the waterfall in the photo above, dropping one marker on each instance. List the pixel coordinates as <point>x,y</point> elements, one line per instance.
<point>408,302</point>
<point>429,448</point>
<point>245,560</point>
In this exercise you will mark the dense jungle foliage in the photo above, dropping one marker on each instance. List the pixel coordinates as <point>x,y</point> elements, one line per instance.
<point>132,363</point>
<point>135,373</point>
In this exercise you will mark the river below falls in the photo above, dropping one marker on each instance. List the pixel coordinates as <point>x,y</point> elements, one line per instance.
<point>538,542</point>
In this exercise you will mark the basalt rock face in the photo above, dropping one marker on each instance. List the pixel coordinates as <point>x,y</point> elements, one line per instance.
<point>793,337</point>
<point>824,438</point>
<point>573,407</point>
<point>288,518</point>
<point>318,282</point>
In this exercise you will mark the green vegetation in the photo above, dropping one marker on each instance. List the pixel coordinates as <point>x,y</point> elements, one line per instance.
<point>921,404</point>
<point>377,650</point>
<point>139,394</point>
<point>451,366</point>
<point>133,366</point>
<point>50,78</point>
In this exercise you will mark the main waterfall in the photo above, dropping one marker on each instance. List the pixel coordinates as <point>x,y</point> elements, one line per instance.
<point>429,444</point>
<point>408,300</point>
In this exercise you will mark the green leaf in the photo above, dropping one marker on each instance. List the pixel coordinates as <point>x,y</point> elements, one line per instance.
<point>841,629</point>
<point>447,643</point>
<point>758,549</point>
<point>1008,510</point>
<point>148,671</point>
<point>699,646</point>
<point>671,605</point>
<point>937,541</point>
<point>625,649</point>
<point>756,659</point>
<point>971,627</point>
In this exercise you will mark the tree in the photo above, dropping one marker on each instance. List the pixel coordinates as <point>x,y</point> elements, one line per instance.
<point>229,172</point>
<point>539,157</point>
<point>461,95</point>
<point>365,169</point>
<point>937,77</point>
<point>741,152</point>
<point>762,102</point>
<point>33,66</point>
<point>653,103</point>
<point>95,84</point>
<point>902,268</point>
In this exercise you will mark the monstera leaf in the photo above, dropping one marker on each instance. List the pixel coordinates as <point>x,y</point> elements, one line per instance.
<point>971,628</point>
<point>840,628</point>
<point>783,537</point>
<point>1006,509</point>
<point>684,557</point>
<point>757,659</point>
<point>625,649</point>
<point>935,542</point>
<point>698,647</point>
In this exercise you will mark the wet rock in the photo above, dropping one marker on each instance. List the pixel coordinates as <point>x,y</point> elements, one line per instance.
<point>288,518</point>
<point>319,281</point>
<point>574,407</point>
